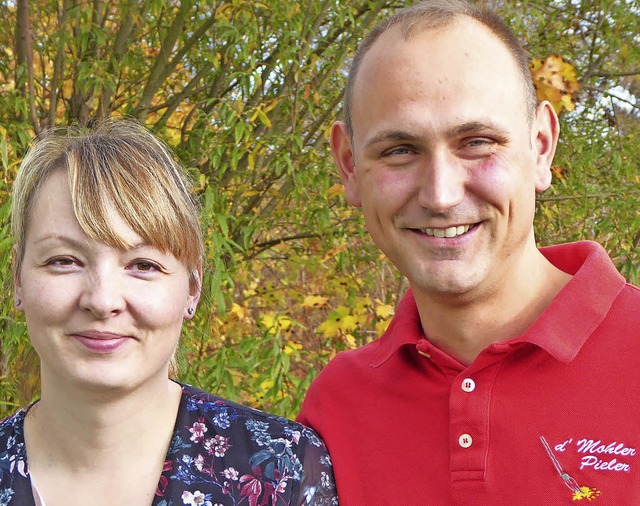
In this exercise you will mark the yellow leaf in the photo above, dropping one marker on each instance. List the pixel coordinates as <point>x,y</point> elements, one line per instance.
<point>266,385</point>
<point>264,119</point>
<point>333,252</point>
<point>362,305</point>
<point>335,190</point>
<point>292,347</point>
<point>238,312</point>
<point>276,323</point>
<point>348,323</point>
<point>559,172</point>
<point>351,341</point>
<point>381,326</point>
<point>384,311</point>
<point>329,328</point>
<point>334,322</point>
<point>314,301</point>
<point>555,80</point>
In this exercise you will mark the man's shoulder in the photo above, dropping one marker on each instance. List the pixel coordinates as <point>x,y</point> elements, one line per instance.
<point>351,360</point>
<point>629,300</point>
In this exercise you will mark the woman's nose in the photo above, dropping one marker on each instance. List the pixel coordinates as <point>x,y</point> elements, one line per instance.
<point>103,293</point>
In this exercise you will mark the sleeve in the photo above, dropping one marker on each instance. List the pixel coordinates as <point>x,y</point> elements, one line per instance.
<point>318,487</point>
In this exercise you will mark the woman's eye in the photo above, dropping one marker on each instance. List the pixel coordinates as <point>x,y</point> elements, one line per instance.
<point>61,261</point>
<point>145,266</point>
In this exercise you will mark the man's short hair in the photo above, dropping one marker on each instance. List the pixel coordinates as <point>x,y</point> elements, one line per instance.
<point>431,14</point>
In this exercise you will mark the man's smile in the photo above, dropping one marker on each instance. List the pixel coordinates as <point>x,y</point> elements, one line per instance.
<point>448,232</point>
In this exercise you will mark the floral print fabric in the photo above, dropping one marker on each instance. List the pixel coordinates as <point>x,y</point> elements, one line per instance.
<point>221,454</point>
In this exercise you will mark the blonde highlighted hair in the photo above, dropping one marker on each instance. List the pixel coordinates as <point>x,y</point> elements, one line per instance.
<point>118,164</point>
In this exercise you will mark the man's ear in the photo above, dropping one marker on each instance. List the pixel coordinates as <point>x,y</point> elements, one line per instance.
<point>545,133</point>
<point>343,156</point>
<point>195,290</point>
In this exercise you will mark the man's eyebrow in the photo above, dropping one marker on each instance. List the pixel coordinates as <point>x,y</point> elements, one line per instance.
<point>477,127</point>
<point>391,135</point>
<point>468,127</point>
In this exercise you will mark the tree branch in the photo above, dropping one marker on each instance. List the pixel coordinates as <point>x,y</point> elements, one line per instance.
<point>163,66</point>
<point>587,196</point>
<point>263,246</point>
<point>58,63</point>
<point>24,60</point>
<point>612,74</point>
<point>613,95</point>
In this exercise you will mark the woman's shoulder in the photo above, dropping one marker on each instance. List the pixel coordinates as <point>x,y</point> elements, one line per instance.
<point>13,460</point>
<point>12,430</point>
<point>221,449</point>
<point>212,410</point>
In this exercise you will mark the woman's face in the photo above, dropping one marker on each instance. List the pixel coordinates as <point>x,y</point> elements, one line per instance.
<point>99,317</point>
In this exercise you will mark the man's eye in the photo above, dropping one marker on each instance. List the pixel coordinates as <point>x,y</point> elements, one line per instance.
<point>400,150</point>
<point>479,142</point>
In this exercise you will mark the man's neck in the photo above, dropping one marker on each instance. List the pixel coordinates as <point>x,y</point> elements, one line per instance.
<point>464,326</point>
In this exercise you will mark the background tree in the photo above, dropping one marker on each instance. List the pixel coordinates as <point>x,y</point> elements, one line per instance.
<point>245,92</point>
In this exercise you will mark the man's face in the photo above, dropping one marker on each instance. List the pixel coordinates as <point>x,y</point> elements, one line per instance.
<point>443,160</point>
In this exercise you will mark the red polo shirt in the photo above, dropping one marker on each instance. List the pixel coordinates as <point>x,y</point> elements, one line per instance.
<point>548,418</point>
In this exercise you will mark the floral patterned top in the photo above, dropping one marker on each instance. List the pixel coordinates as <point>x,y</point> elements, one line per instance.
<point>221,454</point>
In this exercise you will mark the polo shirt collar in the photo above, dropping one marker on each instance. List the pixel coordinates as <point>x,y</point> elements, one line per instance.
<point>561,330</point>
<point>405,329</point>
<point>575,313</point>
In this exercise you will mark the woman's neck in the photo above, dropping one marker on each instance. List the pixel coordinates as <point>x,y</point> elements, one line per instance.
<point>85,430</point>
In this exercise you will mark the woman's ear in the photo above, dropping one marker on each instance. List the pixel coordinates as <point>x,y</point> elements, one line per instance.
<point>195,290</point>
<point>343,156</point>
<point>545,133</point>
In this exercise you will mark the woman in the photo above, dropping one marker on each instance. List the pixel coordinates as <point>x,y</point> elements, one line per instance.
<point>108,265</point>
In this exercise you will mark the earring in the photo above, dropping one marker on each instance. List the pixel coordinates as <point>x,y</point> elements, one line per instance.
<point>190,311</point>
<point>18,302</point>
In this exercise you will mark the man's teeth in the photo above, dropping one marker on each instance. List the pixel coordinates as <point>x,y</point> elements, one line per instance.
<point>446,232</point>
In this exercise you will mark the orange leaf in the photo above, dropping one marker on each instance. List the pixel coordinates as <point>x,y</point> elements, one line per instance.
<point>555,80</point>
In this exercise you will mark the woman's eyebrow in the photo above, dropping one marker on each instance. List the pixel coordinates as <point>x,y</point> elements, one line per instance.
<point>53,236</point>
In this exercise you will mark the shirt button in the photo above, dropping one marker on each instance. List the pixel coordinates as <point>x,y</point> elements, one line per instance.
<point>465,441</point>
<point>468,385</point>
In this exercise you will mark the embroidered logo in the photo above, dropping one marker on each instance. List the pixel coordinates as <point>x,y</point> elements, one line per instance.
<point>579,492</point>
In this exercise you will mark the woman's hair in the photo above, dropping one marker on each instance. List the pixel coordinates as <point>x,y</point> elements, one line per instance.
<point>118,164</point>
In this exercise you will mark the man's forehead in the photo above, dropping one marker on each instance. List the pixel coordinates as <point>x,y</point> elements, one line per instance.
<point>463,45</point>
<point>443,79</point>
<point>461,28</point>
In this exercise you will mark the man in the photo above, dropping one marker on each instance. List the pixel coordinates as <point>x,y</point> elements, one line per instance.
<point>509,375</point>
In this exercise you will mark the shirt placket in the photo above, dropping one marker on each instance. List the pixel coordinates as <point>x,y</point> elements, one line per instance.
<point>469,411</point>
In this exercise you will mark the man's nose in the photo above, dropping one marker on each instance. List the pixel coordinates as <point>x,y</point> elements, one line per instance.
<point>442,182</point>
